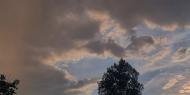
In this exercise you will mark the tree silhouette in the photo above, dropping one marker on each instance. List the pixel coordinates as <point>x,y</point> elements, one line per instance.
<point>7,88</point>
<point>120,79</point>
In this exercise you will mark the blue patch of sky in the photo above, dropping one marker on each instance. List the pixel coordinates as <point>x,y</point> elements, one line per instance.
<point>142,30</point>
<point>181,39</point>
<point>90,67</point>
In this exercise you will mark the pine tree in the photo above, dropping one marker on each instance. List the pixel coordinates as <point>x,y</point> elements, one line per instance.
<point>120,79</point>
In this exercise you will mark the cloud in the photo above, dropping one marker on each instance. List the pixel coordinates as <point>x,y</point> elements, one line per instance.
<point>34,31</point>
<point>133,12</point>
<point>82,14</point>
<point>181,55</point>
<point>161,54</point>
<point>25,42</point>
<point>172,82</point>
<point>68,13</point>
<point>65,35</point>
<point>100,47</point>
<point>185,89</point>
<point>138,43</point>
<point>65,14</point>
<point>86,90</point>
<point>68,76</point>
<point>169,28</point>
<point>84,87</point>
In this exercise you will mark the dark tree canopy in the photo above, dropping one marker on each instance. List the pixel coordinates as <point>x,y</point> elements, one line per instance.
<point>120,79</point>
<point>7,88</point>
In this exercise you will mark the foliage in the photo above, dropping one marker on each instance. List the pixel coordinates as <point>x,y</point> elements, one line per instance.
<point>7,88</point>
<point>120,79</point>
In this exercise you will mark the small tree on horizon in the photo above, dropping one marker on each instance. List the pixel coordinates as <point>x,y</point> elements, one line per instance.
<point>7,88</point>
<point>120,79</point>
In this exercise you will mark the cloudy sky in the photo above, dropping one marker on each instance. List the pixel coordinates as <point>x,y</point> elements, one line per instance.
<point>62,47</point>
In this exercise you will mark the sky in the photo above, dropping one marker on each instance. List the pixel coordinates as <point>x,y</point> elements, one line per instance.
<point>63,47</point>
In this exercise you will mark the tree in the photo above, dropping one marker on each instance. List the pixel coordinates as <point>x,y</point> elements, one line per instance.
<point>7,88</point>
<point>120,79</point>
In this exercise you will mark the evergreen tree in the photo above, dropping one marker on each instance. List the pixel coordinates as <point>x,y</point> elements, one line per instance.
<point>120,79</point>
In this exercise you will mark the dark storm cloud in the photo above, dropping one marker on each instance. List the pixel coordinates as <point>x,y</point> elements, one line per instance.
<point>66,23</point>
<point>138,42</point>
<point>133,12</point>
<point>99,47</point>
<point>42,80</point>
<point>31,29</point>
<point>64,36</point>
<point>128,12</point>
<point>21,34</point>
